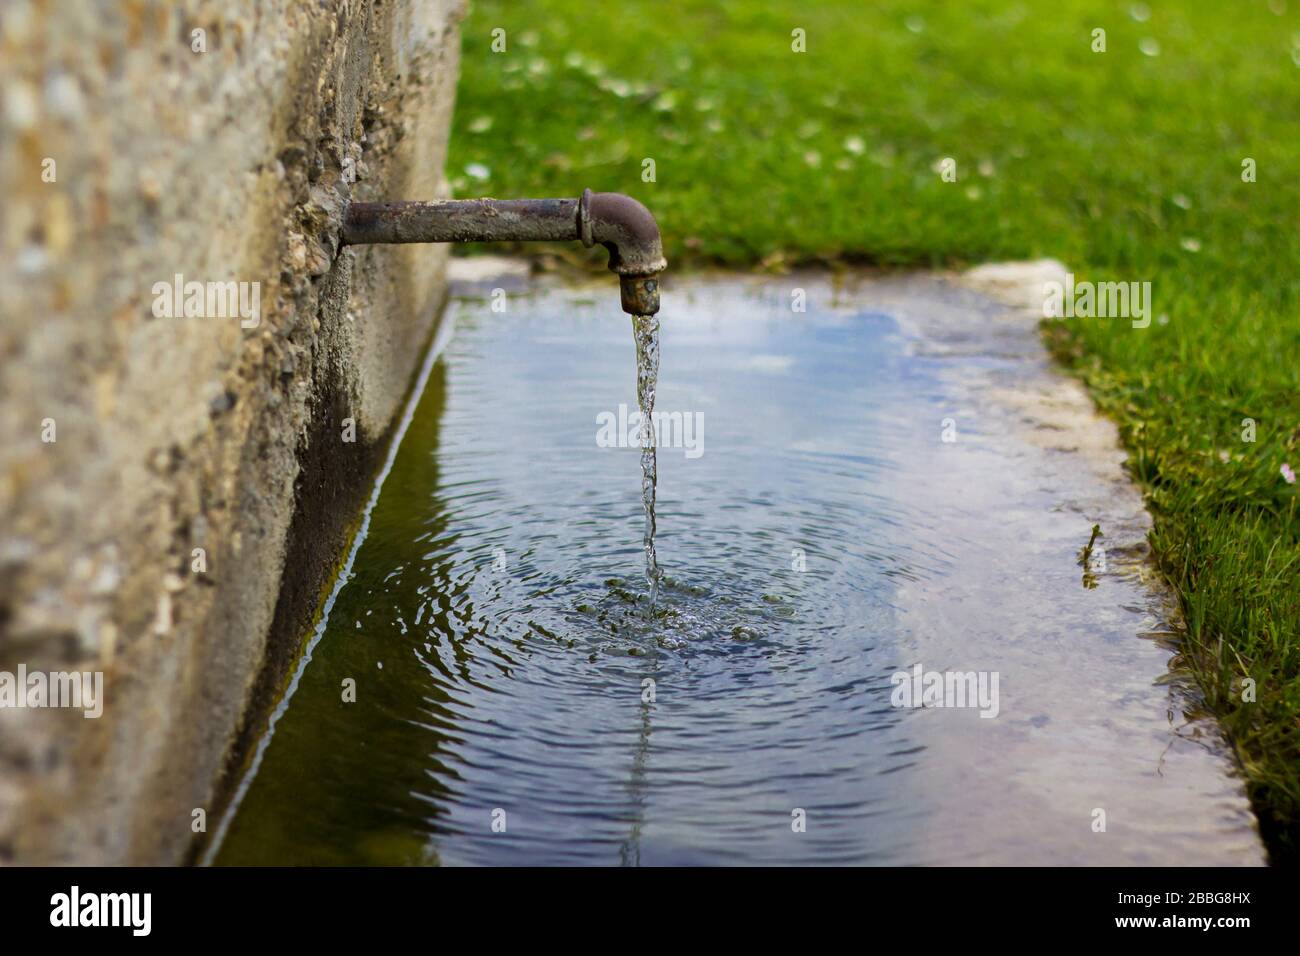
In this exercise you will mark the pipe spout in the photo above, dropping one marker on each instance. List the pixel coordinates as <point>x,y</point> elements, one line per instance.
<point>628,230</point>
<point>619,223</point>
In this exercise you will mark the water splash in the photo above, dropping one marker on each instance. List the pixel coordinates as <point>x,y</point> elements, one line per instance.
<point>645,329</point>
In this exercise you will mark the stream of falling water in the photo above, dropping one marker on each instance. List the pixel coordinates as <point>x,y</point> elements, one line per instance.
<point>645,329</point>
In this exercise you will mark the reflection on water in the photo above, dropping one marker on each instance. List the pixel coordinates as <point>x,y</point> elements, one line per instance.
<point>513,703</point>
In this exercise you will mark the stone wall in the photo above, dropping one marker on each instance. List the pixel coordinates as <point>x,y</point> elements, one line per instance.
<point>175,492</point>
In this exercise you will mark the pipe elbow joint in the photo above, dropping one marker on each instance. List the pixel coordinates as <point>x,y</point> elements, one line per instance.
<point>628,230</point>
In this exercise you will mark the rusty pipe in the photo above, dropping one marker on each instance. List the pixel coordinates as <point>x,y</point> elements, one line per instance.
<point>619,223</point>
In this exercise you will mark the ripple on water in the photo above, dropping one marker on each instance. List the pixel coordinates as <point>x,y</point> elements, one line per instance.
<point>495,627</point>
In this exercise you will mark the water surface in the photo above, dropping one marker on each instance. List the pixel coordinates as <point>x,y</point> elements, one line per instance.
<point>514,704</point>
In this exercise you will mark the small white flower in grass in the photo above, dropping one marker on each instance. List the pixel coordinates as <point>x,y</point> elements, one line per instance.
<point>1224,456</point>
<point>1287,473</point>
<point>574,60</point>
<point>1140,12</point>
<point>986,168</point>
<point>855,145</point>
<point>1181,201</point>
<point>973,193</point>
<point>1149,46</point>
<point>481,125</point>
<point>666,102</point>
<point>478,171</point>
<point>1191,244</point>
<point>705,103</point>
<point>812,158</point>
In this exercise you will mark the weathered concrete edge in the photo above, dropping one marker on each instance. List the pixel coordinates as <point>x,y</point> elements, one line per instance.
<point>359,107</point>
<point>1071,416</point>
<point>306,586</point>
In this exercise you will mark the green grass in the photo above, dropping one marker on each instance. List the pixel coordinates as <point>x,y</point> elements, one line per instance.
<point>1126,166</point>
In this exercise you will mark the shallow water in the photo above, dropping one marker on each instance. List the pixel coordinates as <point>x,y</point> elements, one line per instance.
<point>515,705</point>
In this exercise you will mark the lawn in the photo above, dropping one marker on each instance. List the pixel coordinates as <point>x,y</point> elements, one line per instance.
<point>1126,164</point>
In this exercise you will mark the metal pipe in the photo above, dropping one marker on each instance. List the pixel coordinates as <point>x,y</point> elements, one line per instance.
<point>619,223</point>
<point>462,220</point>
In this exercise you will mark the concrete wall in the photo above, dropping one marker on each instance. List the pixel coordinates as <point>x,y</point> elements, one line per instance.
<point>171,434</point>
